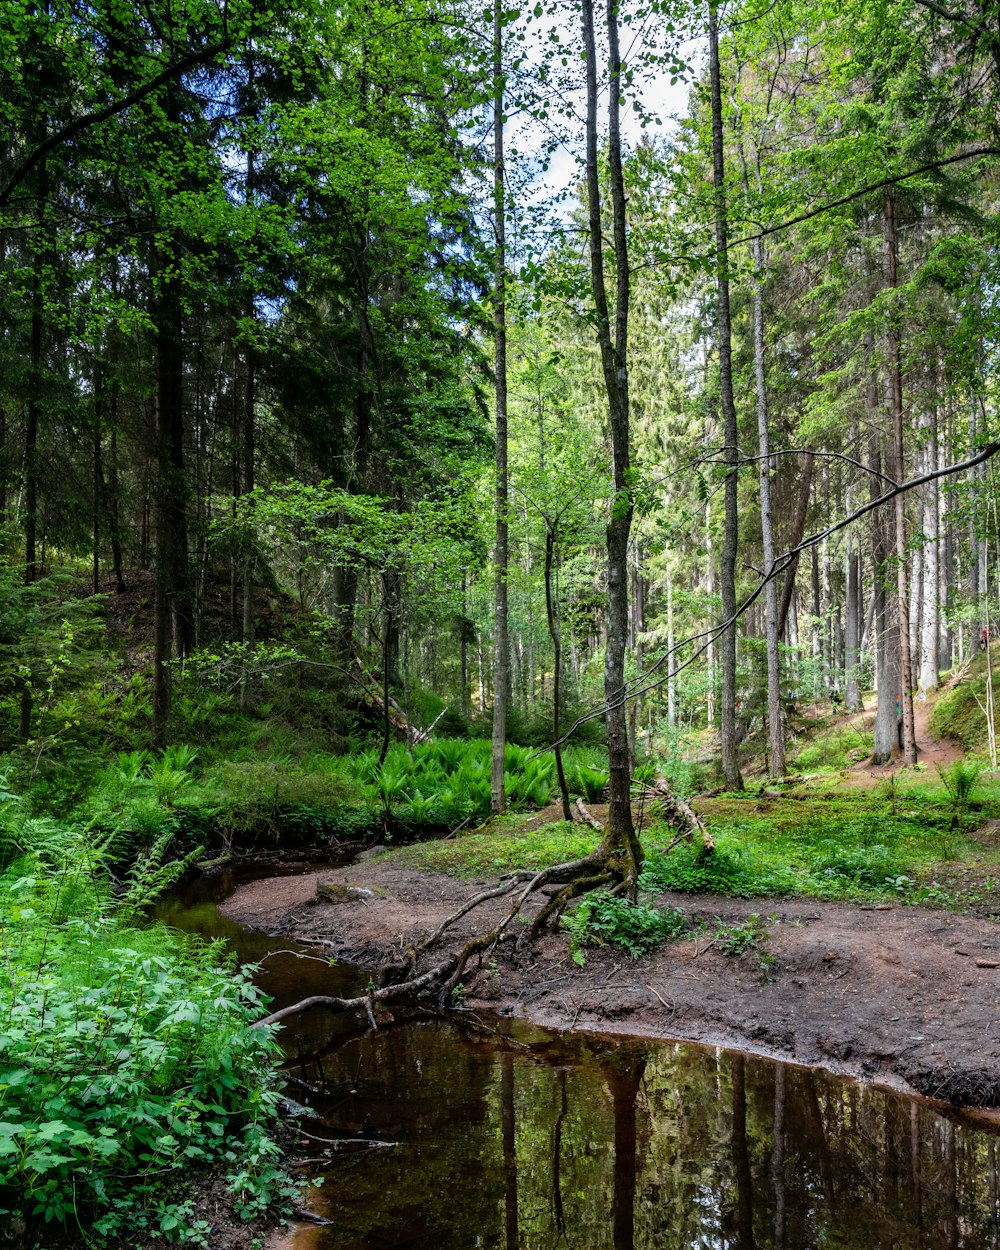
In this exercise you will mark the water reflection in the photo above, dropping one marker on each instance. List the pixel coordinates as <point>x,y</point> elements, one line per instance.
<point>529,1141</point>
<point>287,971</point>
<point>532,1141</point>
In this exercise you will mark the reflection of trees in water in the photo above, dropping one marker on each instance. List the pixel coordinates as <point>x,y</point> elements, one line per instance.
<point>778,1157</point>
<point>558,1215</point>
<point>741,1158</point>
<point>509,1125</point>
<point>624,1076</point>
<point>580,1142</point>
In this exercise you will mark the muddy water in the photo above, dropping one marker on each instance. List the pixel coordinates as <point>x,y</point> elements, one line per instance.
<point>505,1136</point>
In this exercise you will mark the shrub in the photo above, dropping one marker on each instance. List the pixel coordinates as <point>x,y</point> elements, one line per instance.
<point>602,918</point>
<point>127,1058</point>
<point>687,869</point>
<point>867,867</point>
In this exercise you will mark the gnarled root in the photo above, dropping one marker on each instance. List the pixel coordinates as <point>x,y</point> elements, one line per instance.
<point>554,908</point>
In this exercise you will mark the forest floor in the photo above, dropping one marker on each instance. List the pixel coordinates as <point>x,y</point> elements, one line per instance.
<point>906,995</point>
<point>902,995</point>
<point>933,752</point>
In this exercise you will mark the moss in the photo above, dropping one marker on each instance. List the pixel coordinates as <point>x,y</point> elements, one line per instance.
<point>958,712</point>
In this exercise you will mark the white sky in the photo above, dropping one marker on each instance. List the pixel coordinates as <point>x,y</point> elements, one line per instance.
<point>652,87</point>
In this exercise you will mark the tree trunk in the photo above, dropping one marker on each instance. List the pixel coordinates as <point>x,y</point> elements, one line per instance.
<point>727,573</point>
<point>501,645</point>
<point>248,445</point>
<point>888,711</point>
<point>671,663</point>
<point>796,536</point>
<point>554,634</point>
<point>31,465</point>
<point>852,629</point>
<point>930,617</point>
<point>620,842</point>
<point>895,396</point>
<point>775,729</point>
<point>171,617</point>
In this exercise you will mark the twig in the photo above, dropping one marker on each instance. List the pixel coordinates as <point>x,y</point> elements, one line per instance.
<point>669,1006</point>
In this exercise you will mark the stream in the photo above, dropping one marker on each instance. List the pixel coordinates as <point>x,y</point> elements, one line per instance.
<point>499,1134</point>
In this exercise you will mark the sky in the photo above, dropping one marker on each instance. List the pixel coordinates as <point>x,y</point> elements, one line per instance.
<point>526,136</point>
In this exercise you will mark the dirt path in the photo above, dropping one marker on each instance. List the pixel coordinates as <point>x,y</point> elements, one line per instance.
<point>906,996</point>
<point>932,751</point>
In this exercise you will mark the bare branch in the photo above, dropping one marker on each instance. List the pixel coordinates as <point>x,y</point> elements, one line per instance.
<point>633,691</point>
<point>866,190</point>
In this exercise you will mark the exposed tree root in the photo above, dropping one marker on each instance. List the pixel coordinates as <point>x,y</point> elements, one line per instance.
<point>554,908</point>
<point>605,867</point>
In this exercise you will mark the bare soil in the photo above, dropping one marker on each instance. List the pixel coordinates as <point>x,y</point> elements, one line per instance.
<point>932,751</point>
<point>905,996</point>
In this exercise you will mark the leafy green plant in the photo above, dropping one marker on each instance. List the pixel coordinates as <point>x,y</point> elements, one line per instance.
<point>128,1054</point>
<point>960,780</point>
<point>601,918</point>
<point>863,867</point>
<point>736,939</point>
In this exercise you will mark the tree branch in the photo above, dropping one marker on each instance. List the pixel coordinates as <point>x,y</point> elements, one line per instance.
<point>866,190</point>
<point>633,691</point>
<point>94,118</point>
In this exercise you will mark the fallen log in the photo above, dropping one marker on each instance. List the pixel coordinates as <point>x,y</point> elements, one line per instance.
<point>681,813</point>
<point>586,815</point>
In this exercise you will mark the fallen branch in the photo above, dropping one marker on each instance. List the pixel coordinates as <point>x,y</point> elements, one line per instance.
<point>586,815</point>
<point>681,813</point>
<point>364,1001</point>
<point>426,733</point>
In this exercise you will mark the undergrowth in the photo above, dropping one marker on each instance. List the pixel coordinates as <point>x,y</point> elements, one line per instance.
<point>601,918</point>
<point>831,845</point>
<point>127,1056</point>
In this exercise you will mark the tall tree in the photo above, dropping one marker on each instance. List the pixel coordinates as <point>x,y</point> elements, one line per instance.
<point>727,574</point>
<point>621,843</point>
<point>501,646</point>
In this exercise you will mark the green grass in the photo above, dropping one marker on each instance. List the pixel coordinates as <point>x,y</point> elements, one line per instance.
<point>832,749</point>
<point>864,845</point>
<point>958,712</point>
<point>503,846</point>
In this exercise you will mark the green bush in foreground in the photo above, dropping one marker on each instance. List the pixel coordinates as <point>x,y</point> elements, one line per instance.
<point>601,918</point>
<point>127,1059</point>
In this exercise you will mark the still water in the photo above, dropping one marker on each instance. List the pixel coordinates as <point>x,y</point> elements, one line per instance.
<point>507,1136</point>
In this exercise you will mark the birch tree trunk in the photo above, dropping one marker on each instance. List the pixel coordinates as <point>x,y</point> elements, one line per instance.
<point>930,620</point>
<point>775,729</point>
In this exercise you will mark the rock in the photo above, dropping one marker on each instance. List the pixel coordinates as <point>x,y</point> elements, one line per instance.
<point>339,892</point>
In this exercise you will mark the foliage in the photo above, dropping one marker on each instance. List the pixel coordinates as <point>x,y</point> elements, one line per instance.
<point>736,939</point>
<point>446,782</point>
<point>127,1057</point>
<point>729,869</point>
<point>505,844</point>
<point>601,918</point>
<point>961,780</point>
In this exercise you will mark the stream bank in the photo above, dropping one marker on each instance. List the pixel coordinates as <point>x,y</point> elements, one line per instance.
<point>903,996</point>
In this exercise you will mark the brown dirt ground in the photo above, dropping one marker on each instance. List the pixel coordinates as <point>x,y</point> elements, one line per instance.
<point>892,994</point>
<point>931,751</point>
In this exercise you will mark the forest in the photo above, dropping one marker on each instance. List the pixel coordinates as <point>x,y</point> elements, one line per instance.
<point>550,441</point>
